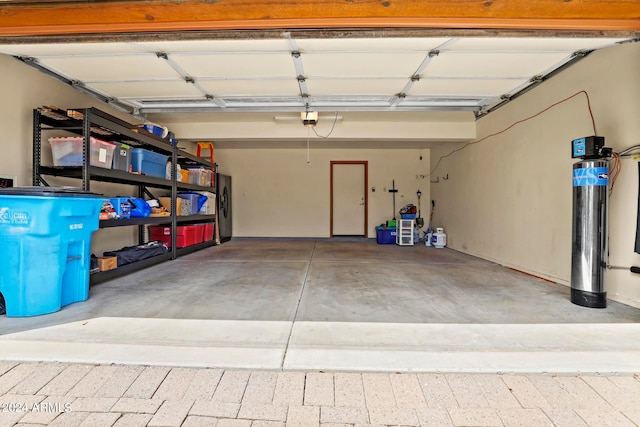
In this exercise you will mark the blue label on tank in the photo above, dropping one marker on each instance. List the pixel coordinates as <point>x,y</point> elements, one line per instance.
<point>14,217</point>
<point>590,176</point>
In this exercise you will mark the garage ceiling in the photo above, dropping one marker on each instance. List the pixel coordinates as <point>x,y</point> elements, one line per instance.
<point>322,74</point>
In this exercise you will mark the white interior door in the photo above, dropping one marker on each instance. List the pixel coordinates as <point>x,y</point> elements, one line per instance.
<point>348,199</point>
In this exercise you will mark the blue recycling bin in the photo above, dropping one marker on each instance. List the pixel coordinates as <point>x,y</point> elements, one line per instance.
<point>45,247</point>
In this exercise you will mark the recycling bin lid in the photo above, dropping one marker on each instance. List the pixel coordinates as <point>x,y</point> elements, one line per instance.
<point>48,192</point>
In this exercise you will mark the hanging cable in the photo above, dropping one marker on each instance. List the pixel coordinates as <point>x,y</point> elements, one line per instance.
<point>593,122</point>
<point>308,134</point>
<point>332,127</point>
<point>627,152</point>
<point>615,170</point>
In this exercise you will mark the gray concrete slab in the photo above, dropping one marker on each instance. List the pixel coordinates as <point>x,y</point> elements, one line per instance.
<point>261,279</point>
<point>310,304</point>
<point>355,282</point>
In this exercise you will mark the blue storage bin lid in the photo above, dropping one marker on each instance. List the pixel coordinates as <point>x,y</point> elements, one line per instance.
<point>48,192</point>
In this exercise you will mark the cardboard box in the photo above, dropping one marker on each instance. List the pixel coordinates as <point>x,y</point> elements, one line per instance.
<point>106,263</point>
<point>166,203</point>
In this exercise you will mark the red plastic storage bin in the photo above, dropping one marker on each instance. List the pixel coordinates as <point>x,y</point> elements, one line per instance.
<point>199,237</point>
<point>208,232</point>
<point>186,235</point>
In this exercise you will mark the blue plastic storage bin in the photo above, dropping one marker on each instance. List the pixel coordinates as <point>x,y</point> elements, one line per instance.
<point>45,245</point>
<point>193,205</point>
<point>385,236</point>
<point>122,206</point>
<point>160,131</point>
<point>149,162</point>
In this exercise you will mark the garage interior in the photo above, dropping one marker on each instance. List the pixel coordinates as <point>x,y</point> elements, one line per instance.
<point>479,120</point>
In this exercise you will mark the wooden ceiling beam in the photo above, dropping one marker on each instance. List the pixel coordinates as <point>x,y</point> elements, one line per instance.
<point>51,17</point>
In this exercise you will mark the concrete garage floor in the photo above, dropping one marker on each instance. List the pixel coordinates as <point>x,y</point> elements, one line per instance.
<point>332,305</point>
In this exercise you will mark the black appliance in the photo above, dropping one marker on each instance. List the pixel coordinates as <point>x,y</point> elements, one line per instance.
<point>223,199</point>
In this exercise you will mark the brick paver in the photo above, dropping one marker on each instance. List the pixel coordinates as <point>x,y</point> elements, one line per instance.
<point>133,420</point>
<point>496,392</point>
<point>524,417</point>
<point>232,386</point>
<point>41,394</point>
<point>210,408</point>
<point>43,374</point>
<point>260,388</point>
<point>263,412</point>
<point>6,366</point>
<point>233,423</point>
<point>553,391</point>
<point>120,381</point>
<point>564,417</point>
<point>303,416</point>
<point>344,415</point>
<point>171,413</point>
<point>349,390</point>
<point>525,392</point>
<point>94,404</point>
<point>604,417</point>
<point>289,389</point>
<point>475,417</point>
<point>69,419</point>
<point>98,419</point>
<point>378,391</point>
<point>203,384</point>
<point>93,381</point>
<point>15,376</point>
<point>197,421</point>
<point>407,391</point>
<point>437,391</point>
<point>137,406</point>
<point>434,417</point>
<point>319,389</point>
<point>48,409</point>
<point>175,384</point>
<point>147,383</point>
<point>393,416</point>
<point>584,395</point>
<point>66,380</point>
<point>468,393</point>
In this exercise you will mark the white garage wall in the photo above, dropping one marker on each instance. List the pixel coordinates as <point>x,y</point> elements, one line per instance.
<point>277,194</point>
<point>24,89</point>
<point>508,198</point>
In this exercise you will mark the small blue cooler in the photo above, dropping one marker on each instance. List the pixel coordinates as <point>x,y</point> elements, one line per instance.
<point>122,206</point>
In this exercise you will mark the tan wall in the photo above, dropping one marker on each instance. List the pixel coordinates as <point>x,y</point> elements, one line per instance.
<point>277,194</point>
<point>363,126</point>
<point>508,198</point>
<point>24,89</point>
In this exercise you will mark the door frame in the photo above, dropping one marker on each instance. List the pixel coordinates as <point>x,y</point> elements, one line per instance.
<point>365,163</point>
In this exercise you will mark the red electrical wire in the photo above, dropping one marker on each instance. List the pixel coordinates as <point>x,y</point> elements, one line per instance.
<point>593,122</point>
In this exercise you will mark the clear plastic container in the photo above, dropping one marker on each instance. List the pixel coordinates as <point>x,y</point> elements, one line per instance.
<point>67,151</point>
<point>197,176</point>
<point>200,176</point>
